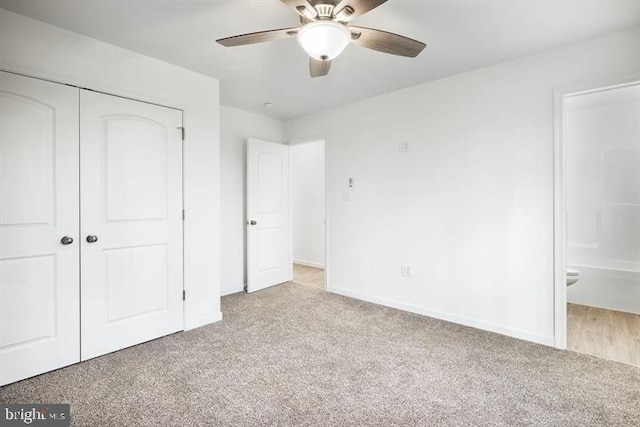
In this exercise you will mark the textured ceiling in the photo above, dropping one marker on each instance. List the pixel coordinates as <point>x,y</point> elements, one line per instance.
<point>460,36</point>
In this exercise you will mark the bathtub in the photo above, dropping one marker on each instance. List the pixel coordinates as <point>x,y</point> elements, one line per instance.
<point>613,289</point>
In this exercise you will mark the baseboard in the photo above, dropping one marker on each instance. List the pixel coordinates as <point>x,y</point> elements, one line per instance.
<point>233,289</point>
<point>454,318</point>
<point>203,320</point>
<point>308,263</point>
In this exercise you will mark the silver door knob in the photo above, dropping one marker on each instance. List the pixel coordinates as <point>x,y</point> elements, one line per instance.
<point>66,240</point>
<point>252,222</point>
<point>91,238</point>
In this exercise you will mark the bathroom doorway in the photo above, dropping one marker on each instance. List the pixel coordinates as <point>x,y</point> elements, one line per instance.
<point>598,273</point>
<point>308,211</point>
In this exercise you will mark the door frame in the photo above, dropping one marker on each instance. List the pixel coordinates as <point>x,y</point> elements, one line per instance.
<point>326,204</point>
<point>560,95</point>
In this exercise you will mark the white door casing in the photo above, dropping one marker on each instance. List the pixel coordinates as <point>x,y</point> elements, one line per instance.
<point>269,258</point>
<point>131,200</point>
<point>559,194</point>
<point>39,276</point>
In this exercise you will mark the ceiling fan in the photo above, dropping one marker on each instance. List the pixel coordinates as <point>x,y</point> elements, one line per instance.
<point>325,32</point>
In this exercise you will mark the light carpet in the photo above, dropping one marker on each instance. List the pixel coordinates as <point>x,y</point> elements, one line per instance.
<point>296,356</point>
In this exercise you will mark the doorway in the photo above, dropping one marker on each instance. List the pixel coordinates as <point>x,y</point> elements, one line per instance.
<point>600,256</point>
<point>308,210</point>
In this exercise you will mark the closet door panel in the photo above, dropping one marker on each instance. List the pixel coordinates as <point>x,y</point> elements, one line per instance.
<point>131,200</point>
<point>39,202</point>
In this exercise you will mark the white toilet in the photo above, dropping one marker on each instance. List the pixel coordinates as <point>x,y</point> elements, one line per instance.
<point>572,276</point>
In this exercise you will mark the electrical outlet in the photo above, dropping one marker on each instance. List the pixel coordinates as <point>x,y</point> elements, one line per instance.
<point>403,146</point>
<point>406,270</point>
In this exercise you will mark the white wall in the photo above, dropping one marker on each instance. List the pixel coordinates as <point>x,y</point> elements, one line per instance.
<point>602,155</point>
<point>235,127</point>
<point>37,49</point>
<point>470,206</point>
<point>307,202</point>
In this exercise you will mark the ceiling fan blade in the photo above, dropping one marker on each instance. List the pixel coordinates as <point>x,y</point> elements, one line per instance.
<point>302,7</point>
<point>319,68</point>
<point>259,37</point>
<point>347,10</point>
<point>383,41</point>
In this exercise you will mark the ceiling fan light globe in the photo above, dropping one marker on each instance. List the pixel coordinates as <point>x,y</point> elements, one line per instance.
<point>324,40</point>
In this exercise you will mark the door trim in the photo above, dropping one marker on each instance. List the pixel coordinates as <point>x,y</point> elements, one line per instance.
<point>559,194</point>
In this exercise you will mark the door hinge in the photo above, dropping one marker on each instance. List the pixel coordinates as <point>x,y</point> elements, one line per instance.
<point>183,214</point>
<point>184,295</point>
<point>182,131</point>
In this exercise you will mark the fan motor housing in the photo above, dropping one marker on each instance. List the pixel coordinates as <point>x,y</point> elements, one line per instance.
<point>325,11</point>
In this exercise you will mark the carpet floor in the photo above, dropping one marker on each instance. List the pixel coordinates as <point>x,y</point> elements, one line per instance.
<point>296,356</point>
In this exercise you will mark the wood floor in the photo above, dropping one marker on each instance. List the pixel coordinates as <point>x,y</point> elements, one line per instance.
<point>308,276</point>
<point>609,334</point>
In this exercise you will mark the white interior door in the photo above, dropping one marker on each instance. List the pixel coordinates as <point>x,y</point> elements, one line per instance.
<point>39,275</point>
<point>131,202</point>
<point>269,259</point>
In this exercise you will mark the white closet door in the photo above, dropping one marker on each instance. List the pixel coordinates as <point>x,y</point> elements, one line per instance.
<point>39,275</point>
<point>131,202</point>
